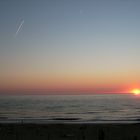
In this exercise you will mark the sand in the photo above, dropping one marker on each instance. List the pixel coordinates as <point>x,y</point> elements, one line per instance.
<point>70,131</point>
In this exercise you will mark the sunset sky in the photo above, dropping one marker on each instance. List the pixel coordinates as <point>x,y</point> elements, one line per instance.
<point>69,45</point>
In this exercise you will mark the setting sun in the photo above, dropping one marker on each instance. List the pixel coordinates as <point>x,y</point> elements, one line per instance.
<point>136,91</point>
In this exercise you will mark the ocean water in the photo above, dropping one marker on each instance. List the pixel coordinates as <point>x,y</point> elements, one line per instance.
<point>76,108</point>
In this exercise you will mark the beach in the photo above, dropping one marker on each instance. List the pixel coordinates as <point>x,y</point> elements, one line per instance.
<point>70,131</point>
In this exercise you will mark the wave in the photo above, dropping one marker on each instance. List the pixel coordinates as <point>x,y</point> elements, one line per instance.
<point>67,119</point>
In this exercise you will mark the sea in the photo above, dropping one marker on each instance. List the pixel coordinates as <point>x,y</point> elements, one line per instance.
<point>70,108</point>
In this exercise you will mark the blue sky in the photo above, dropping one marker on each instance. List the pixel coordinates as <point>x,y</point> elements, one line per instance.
<point>63,41</point>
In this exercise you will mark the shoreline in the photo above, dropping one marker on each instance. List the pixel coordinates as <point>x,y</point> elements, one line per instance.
<point>66,121</point>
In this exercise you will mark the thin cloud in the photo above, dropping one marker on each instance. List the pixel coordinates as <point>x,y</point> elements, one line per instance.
<point>19,28</point>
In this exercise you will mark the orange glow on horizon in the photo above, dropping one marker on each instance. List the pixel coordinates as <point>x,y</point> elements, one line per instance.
<point>135,91</point>
<point>66,84</point>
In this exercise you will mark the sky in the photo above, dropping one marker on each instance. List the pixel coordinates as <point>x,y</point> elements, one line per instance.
<point>69,46</point>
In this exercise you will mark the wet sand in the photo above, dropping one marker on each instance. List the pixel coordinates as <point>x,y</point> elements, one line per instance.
<point>70,131</point>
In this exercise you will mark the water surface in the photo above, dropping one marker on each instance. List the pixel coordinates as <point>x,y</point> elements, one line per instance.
<point>104,107</point>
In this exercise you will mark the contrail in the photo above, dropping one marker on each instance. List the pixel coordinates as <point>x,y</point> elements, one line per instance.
<point>21,24</point>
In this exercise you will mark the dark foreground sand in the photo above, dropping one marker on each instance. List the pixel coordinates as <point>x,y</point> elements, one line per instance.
<point>64,131</point>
